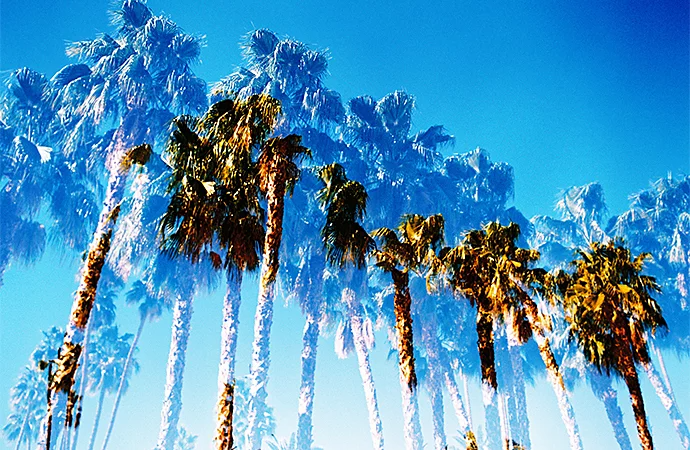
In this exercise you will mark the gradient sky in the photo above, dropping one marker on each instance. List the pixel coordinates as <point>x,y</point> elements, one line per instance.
<point>566,92</point>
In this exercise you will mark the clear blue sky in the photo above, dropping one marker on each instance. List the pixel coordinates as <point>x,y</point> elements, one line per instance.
<point>566,92</point>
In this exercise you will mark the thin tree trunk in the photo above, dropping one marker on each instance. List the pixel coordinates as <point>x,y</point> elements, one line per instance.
<point>503,420</point>
<point>669,404</point>
<point>629,373</point>
<point>310,340</point>
<point>263,319</point>
<point>604,391</point>
<point>458,405</point>
<point>172,403</point>
<point>520,423</point>
<point>123,381</point>
<point>226,367</point>
<point>492,425</point>
<point>63,379</point>
<point>435,383</point>
<point>412,428</point>
<point>99,409</point>
<point>466,394</point>
<point>355,312</point>
<point>554,375</point>
<point>662,367</point>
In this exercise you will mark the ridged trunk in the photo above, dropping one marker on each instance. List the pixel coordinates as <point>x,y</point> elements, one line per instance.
<point>172,400</point>
<point>310,340</point>
<point>123,381</point>
<point>412,430</point>
<point>63,379</point>
<point>403,326</point>
<point>355,312</point>
<point>435,381</point>
<point>97,420</point>
<point>263,319</point>
<point>456,400</point>
<point>604,391</point>
<point>226,366</point>
<point>626,366</point>
<point>554,375</point>
<point>669,403</point>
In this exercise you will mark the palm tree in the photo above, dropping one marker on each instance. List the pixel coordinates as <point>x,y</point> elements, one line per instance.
<point>495,276</point>
<point>347,245</point>
<point>277,173</point>
<point>26,399</point>
<point>609,305</point>
<point>411,250</point>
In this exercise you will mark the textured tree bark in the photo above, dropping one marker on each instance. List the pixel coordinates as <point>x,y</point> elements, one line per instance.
<point>412,428</point>
<point>485,344</point>
<point>355,312</point>
<point>627,367</point>
<point>263,319</point>
<point>97,420</point>
<point>83,382</point>
<point>226,367</point>
<point>123,381</point>
<point>601,385</point>
<point>403,326</point>
<point>310,340</point>
<point>435,383</point>
<point>172,400</point>
<point>456,400</point>
<point>492,425</point>
<point>669,404</point>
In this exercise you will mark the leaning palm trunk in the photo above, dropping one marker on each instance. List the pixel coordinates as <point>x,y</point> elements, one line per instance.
<point>604,391</point>
<point>263,319</point>
<point>553,374</point>
<point>172,403</point>
<point>456,400</point>
<point>310,339</point>
<point>226,367</point>
<point>355,312</point>
<point>62,382</point>
<point>669,403</point>
<point>123,381</point>
<point>25,424</point>
<point>83,382</point>
<point>97,420</point>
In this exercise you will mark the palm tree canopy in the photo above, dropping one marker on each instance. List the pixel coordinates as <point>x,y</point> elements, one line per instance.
<point>345,201</point>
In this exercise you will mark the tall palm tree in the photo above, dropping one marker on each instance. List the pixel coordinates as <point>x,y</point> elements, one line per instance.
<point>347,245</point>
<point>496,276</point>
<point>609,305</point>
<point>214,199</point>
<point>412,250</point>
<point>27,404</point>
<point>277,173</point>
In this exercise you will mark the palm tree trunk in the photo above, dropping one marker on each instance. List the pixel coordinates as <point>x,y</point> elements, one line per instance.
<point>310,341</point>
<point>627,368</point>
<point>492,426</point>
<point>226,367</point>
<point>263,319</point>
<point>662,366</point>
<point>669,404</point>
<point>83,382</point>
<point>123,381</point>
<point>503,420</point>
<point>99,409</point>
<point>63,379</point>
<point>403,326</point>
<point>520,423</point>
<point>355,312</point>
<point>456,400</point>
<point>435,385</point>
<point>412,428</point>
<point>554,375</point>
<point>172,403</point>
<point>466,394</point>
<point>601,385</point>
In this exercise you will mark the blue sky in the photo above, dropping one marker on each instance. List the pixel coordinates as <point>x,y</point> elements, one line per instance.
<point>566,92</point>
